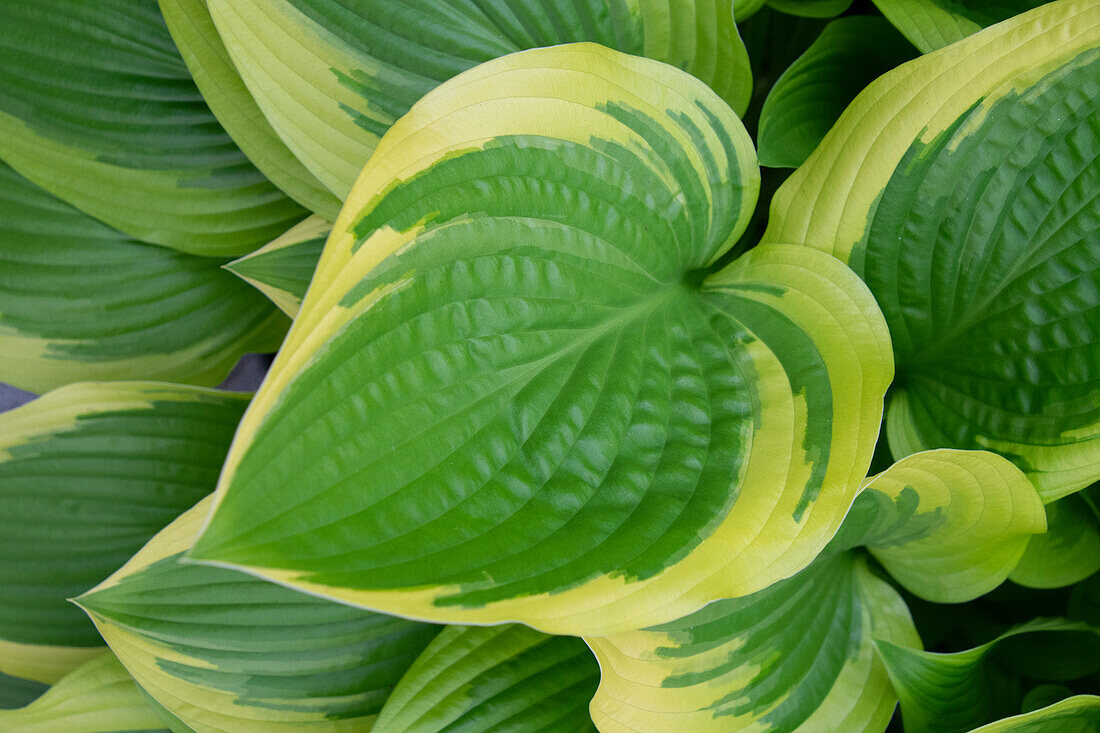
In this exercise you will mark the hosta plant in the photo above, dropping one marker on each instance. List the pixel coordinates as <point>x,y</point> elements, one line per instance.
<point>579,418</point>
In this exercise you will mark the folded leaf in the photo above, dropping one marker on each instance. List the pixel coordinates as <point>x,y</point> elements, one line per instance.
<point>1078,714</point>
<point>932,24</point>
<point>948,525</point>
<point>98,108</point>
<point>982,183</point>
<point>283,268</point>
<point>224,651</point>
<point>202,49</point>
<point>961,690</point>
<point>812,93</point>
<point>88,473</point>
<point>1069,552</point>
<point>79,300</point>
<point>98,697</point>
<point>514,393</point>
<point>333,76</point>
<point>498,678</point>
<point>798,655</point>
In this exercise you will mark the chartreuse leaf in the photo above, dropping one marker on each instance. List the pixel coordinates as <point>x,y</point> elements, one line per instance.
<point>98,108</point>
<point>498,678</point>
<point>1078,714</point>
<point>224,651</point>
<point>100,696</point>
<point>202,49</point>
<point>982,183</point>
<point>949,525</point>
<point>946,692</point>
<point>333,76</point>
<point>1069,552</point>
<point>798,655</point>
<point>514,393</point>
<point>932,24</point>
<point>811,8</point>
<point>812,93</point>
<point>282,269</point>
<point>88,473</point>
<point>79,300</point>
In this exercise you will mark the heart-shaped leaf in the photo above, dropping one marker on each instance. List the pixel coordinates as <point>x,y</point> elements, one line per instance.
<point>333,76</point>
<point>501,678</point>
<point>224,651</point>
<point>982,184</point>
<point>98,108</point>
<point>514,392</point>
<point>79,300</point>
<point>282,269</point>
<point>88,473</point>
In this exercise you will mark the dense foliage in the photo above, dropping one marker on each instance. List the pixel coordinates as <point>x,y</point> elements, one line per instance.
<point>579,417</point>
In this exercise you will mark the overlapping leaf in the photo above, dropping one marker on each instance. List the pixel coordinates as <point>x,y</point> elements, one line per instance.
<point>332,76</point>
<point>932,24</point>
<point>98,697</point>
<point>1069,552</point>
<point>88,473</point>
<point>283,268</point>
<point>948,525</point>
<point>966,202</point>
<point>221,86</point>
<point>224,651</point>
<point>16,692</point>
<point>79,300</point>
<point>946,692</point>
<point>98,108</point>
<point>498,678</point>
<point>800,655</point>
<point>812,93</point>
<point>514,392</point>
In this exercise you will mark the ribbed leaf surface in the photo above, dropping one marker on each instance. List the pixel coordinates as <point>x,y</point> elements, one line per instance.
<point>98,108</point>
<point>984,185</point>
<point>932,24</point>
<point>333,76</point>
<point>514,392</point>
<point>221,86</point>
<point>509,679</point>
<point>796,656</point>
<point>88,473</point>
<point>79,301</point>
<point>224,651</point>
